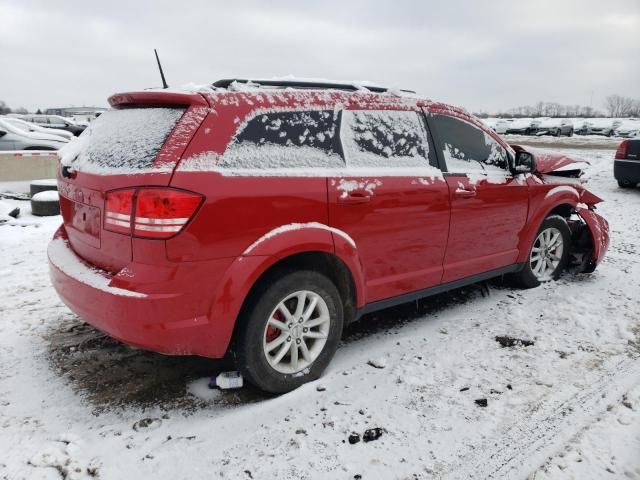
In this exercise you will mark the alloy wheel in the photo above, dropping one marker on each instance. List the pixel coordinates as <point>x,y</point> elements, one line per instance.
<point>296,332</point>
<point>546,254</point>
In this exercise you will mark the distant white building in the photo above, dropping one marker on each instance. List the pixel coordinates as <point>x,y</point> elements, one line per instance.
<point>82,115</point>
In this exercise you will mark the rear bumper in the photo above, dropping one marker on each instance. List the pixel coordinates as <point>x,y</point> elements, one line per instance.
<point>162,308</point>
<point>627,170</point>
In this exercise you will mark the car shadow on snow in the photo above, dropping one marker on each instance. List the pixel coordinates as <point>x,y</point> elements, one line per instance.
<point>112,375</point>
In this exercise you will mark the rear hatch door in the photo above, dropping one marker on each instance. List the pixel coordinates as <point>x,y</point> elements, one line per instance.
<point>137,143</point>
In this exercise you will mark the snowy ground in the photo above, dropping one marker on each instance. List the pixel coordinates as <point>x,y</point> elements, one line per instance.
<point>74,404</point>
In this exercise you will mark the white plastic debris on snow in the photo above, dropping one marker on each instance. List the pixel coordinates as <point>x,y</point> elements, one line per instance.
<point>297,226</point>
<point>62,257</point>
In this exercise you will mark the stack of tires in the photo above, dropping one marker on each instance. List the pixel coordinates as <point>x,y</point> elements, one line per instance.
<point>45,201</point>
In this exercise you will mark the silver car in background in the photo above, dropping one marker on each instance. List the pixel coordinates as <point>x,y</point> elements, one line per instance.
<point>32,127</point>
<point>599,126</point>
<point>628,129</point>
<point>13,138</point>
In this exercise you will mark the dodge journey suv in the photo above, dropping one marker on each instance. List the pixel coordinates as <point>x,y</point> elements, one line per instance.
<point>256,219</point>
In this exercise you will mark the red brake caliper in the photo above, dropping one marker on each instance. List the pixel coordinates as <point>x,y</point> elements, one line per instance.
<point>272,332</point>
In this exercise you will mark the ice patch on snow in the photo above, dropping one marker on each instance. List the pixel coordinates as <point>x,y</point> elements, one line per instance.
<point>200,389</point>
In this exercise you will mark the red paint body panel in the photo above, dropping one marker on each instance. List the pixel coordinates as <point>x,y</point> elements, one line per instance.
<point>395,235</point>
<point>173,317</point>
<point>400,230</point>
<point>487,220</point>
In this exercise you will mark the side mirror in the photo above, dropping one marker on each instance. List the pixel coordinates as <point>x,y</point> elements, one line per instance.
<point>2,133</point>
<point>525,163</point>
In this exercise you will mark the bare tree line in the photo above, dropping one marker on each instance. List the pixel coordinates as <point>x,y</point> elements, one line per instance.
<point>4,109</point>
<point>614,106</point>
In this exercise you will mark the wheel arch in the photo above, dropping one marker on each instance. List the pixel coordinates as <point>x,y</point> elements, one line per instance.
<point>325,263</point>
<point>562,202</point>
<point>305,246</point>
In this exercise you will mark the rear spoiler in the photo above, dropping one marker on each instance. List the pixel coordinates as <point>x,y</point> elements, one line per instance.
<point>157,97</point>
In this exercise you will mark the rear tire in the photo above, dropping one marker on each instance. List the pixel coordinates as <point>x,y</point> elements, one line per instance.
<point>548,255</point>
<point>624,184</point>
<point>282,342</point>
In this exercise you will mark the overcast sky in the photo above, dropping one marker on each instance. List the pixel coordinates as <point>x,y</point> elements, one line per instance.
<point>483,55</point>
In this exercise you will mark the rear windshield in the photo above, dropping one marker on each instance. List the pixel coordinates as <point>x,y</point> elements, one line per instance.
<point>121,141</point>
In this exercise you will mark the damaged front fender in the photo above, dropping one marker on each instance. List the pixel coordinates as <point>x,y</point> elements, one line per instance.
<point>591,239</point>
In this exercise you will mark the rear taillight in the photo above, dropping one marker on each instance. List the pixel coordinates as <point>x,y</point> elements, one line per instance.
<point>150,212</point>
<point>161,213</point>
<point>621,152</point>
<point>118,210</point>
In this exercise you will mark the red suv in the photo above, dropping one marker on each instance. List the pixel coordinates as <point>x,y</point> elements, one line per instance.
<point>261,217</point>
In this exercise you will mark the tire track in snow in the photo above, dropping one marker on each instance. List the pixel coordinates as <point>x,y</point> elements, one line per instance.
<point>524,445</point>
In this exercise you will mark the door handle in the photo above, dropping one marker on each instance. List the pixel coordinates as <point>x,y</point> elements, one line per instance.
<point>465,193</point>
<point>354,198</point>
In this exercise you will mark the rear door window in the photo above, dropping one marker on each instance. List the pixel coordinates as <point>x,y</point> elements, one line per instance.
<point>122,141</point>
<point>300,139</point>
<point>384,138</point>
<point>466,148</point>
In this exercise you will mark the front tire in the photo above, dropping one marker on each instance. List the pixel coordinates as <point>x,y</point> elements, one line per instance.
<point>289,331</point>
<point>549,254</point>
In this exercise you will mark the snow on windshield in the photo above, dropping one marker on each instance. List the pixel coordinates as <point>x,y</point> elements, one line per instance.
<point>122,141</point>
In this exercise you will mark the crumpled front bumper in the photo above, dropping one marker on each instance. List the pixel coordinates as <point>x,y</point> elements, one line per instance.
<point>599,230</point>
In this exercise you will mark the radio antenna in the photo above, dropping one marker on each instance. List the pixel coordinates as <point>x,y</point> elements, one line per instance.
<point>164,82</point>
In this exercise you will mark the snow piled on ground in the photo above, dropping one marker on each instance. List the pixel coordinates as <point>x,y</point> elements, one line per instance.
<point>75,404</point>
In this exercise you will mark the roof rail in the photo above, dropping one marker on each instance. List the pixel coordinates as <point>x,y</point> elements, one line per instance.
<point>226,82</point>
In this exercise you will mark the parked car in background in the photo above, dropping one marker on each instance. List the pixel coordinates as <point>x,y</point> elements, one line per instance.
<point>628,129</point>
<point>600,126</point>
<point>55,121</point>
<point>501,126</point>
<point>580,126</point>
<point>261,218</point>
<point>13,138</point>
<point>32,127</point>
<point>626,165</point>
<point>522,126</point>
<point>498,125</point>
<point>555,126</point>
